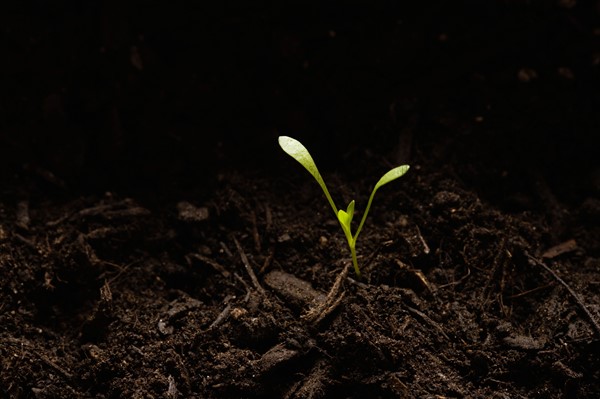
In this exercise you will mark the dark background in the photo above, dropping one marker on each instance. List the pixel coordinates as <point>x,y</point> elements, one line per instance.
<point>161,96</point>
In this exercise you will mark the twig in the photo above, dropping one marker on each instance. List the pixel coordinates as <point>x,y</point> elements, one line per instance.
<point>67,375</point>
<point>428,320</point>
<point>115,210</point>
<point>334,298</point>
<point>357,283</point>
<point>255,233</point>
<point>268,260</point>
<point>578,301</point>
<point>221,317</point>
<point>27,344</point>
<point>249,270</point>
<point>425,247</point>
<point>121,270</point>
<point>531,291</point>
<point>245,284</point>
<point>456,282</point>
<point>225,249</point>
<point>217,266</point>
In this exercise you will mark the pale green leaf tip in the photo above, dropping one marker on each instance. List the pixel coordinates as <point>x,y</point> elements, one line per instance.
<point>392,175</point>
<point>293,147</point>
<point>350,210</point>
<point>283,140</point>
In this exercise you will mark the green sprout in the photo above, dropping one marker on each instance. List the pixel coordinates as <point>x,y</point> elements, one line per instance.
<point>296,150</point>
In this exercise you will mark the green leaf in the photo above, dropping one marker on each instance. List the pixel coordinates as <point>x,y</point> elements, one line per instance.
<point>350,211</point>
<point>385,179</point>
<point>296,150</point>
<point>392,175</point>
<point>345,217</point>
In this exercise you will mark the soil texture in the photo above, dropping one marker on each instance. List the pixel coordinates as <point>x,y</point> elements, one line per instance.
<point>155,242</point>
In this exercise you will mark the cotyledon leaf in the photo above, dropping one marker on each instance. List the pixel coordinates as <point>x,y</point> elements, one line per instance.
<point>392,175</point>
<point>385,179</point>
<point>296,150</point>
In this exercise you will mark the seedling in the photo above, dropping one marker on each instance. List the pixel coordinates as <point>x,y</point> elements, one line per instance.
<point>296,150</point>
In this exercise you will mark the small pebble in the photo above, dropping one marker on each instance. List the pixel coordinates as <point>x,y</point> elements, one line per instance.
<point>191,213</point>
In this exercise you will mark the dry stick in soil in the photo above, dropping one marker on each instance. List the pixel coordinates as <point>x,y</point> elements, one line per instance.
<point>255,234</point>
<point>581,305</point>
<point>428,320</point>
<point>24,343</point>
<point>268,260</point>
<point>215,265</point>
<point>223,315</point>
<point>248,267</point>
<point>334,298</point>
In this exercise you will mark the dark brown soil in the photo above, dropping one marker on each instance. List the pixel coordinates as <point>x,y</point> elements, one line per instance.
<point>155,242</point>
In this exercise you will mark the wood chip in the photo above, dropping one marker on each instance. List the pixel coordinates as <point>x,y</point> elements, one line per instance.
<point>562,248</point>
<point>524,342</point>
<point>275,357</point>
<point>297,292</point>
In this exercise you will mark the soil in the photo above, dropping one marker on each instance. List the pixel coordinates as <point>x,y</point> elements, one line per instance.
<point>155,242</point>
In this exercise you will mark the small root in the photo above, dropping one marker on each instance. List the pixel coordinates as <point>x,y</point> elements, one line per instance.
<point>578,301</point>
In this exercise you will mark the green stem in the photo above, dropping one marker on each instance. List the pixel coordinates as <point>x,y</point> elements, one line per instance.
<point>354,260</point>
<point>324,187</point>
<point>366,212</point>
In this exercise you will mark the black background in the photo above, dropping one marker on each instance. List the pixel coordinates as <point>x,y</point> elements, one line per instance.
<point>157,95</point>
